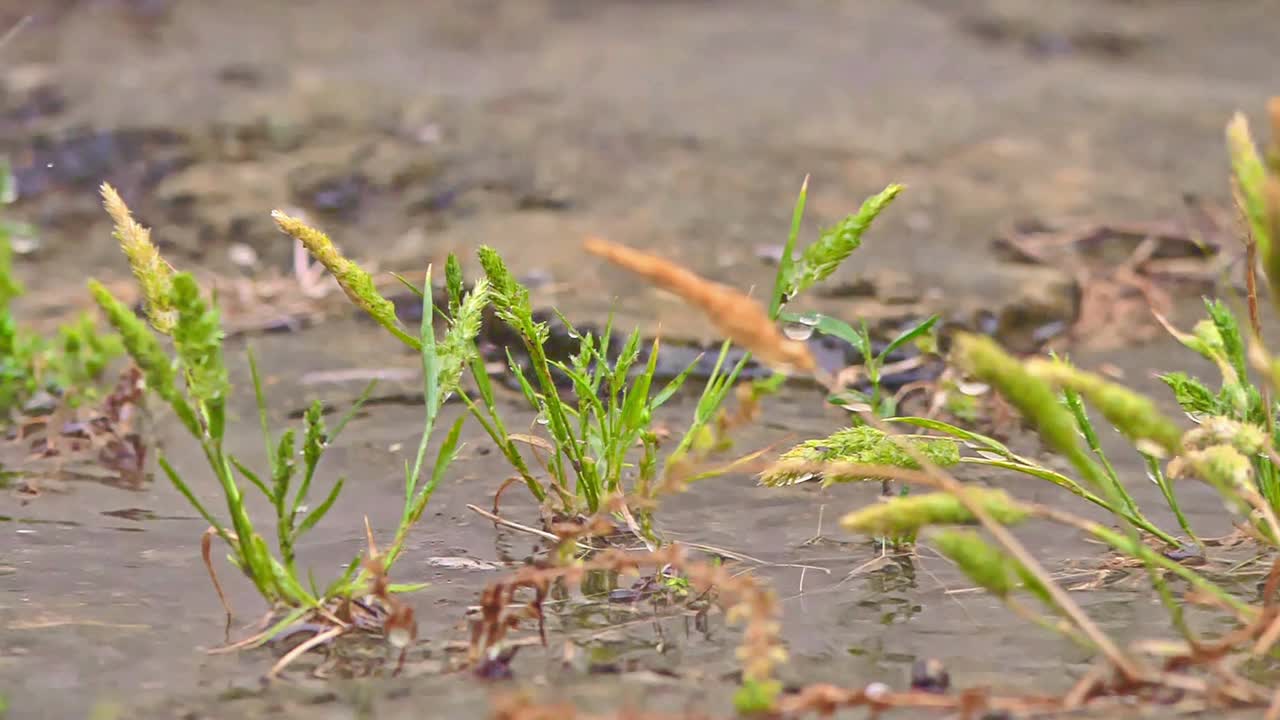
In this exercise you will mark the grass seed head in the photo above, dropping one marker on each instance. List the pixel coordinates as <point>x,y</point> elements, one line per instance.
<point>153,273</point>
<point>818,261</point>
<point>737,316</point>
<point>1248,439</point>
<point>861,445</point>
<point>353,279</point>
<point>1134,415</point>
<point>1032,396</point>
<point>905,516</point>
<point>1222,466</point>
<point>197,336</point>
<point>978,559</point>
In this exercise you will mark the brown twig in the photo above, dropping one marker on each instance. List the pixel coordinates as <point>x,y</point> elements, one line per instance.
<point>206,552</point>
<point>314,641</point>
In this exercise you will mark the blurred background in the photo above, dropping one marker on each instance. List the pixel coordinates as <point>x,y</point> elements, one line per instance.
<point>411,129</point>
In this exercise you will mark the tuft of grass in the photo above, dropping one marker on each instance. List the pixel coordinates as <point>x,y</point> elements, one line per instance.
<point>69,366</point>
<point>193,381</point>
<point>1232,448</point>
<point>612,410</point>
<point>596,431</point>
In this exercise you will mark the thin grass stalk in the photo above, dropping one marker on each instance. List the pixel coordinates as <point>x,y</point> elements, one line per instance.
<point>1171,499</point>
<point>787,260</point>
<point>1124,664</point>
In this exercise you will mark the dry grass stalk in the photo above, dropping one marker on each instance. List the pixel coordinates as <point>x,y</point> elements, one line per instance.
<point>826,700</point>
<point>736,315</point>
<point>518,706</point>
<point>743,597</point>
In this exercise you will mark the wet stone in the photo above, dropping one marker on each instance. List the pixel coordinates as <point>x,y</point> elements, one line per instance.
<point>133,160</point>
<point>930,675</point>
<point>334,190</point>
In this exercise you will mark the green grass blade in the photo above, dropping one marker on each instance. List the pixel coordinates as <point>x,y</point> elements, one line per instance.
<point>635,406</point>
<point>251,476</point>
<point>1043,473</point>
<point>828,325</point>
<point>401,588</point>
<point>342,586</point>
<point>316,515</point>
<point>908,336</point>
<point>1166,489</point>
<point>968,435</point>
<point>782,281</point>
<point>431,390</point>
<point>673,386</point>
<point>289,619</point>
<point>414,288</point>
<point>351,412</point>
<point>181,487</point>
<point>260,397</point>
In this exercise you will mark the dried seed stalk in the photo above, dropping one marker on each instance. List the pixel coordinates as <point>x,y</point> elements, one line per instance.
<point>737,315</point>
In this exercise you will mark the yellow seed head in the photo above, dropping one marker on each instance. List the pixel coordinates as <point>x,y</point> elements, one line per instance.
<point>154,275</point>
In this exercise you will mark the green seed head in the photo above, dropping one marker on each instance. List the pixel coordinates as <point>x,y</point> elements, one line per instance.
<point>862,445</point>
<point>1222,466</point>
<point>978,559</point>
<point>1248,439</point>
<point>1032,396</point>
<point>907,515</point>
<point>1132,414</point>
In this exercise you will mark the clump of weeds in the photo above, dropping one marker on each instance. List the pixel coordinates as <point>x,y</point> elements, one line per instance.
<point>39,373</point>
<point>596,429</point>
<point>603,456</point>
<point>1232,448</point>
<point>192,380</point>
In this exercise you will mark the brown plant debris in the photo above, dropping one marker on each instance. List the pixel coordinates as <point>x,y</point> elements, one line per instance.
<point>743,597</point>
<point>83,442</point>
<point>738,316</point>
<point>1124,270</point>
<point>377,613</point>
<point>518,706</point>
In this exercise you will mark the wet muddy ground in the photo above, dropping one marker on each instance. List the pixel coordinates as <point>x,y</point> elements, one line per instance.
<point>410,130</point>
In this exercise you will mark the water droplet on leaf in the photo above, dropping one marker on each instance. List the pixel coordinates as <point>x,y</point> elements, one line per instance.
<point>797,331</point>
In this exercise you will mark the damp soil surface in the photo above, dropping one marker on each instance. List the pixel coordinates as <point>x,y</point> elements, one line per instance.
<point>411,130</point>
